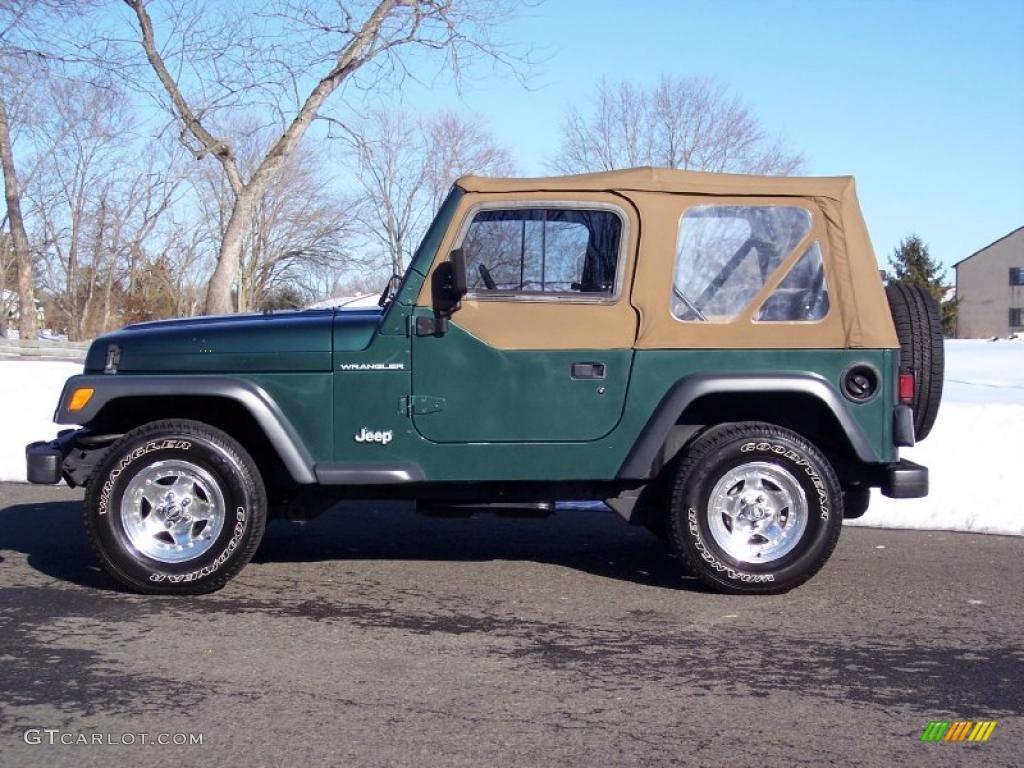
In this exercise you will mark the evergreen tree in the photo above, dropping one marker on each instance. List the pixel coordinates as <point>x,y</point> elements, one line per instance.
<point>911,264</point>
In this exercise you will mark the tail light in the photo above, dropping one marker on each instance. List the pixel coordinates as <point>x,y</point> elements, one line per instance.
<point>907,387</point>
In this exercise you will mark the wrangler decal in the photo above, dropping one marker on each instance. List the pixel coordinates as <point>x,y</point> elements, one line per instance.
<point>155,445</point>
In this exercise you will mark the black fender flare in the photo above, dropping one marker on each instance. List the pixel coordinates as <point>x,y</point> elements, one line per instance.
<point>253,398</point>
<point>640,460</point>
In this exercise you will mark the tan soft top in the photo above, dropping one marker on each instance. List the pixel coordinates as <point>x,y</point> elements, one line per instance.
<point>649,179</point>
<point>860,316</point>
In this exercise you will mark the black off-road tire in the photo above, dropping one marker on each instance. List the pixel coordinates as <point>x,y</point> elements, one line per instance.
<point>918,323</point>
<point>728,447</point>
<point>226,467</point>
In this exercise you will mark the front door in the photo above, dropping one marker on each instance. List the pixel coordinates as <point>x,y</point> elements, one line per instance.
<point>542,346</point>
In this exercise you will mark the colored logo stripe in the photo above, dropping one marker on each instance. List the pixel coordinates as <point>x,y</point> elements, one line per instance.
<point>982,731</point>
<point>958,730</point>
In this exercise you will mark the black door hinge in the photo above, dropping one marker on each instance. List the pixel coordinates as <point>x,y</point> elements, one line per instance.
<point>420,405</point>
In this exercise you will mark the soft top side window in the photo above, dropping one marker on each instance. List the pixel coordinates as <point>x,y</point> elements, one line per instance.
<point>543,250</point>
<point>726,253</point>
<point>802,296</point>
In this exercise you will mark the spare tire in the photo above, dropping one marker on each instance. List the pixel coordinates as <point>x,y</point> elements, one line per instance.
<point>919,328</point>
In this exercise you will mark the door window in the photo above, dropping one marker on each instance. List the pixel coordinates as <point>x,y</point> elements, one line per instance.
<point>543,251</point>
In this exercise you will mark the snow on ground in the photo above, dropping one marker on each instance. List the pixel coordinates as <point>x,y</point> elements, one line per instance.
<point>28,397</point>
<point>973,453</point>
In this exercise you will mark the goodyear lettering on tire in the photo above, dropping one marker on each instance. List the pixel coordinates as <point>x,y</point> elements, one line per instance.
<point>206,570</point>
<point>800,461</point>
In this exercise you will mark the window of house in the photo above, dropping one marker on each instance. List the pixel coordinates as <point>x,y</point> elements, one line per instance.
<point>1017,317</point>
<point>519,251</point>
<point>1016,275</point>
<point>726,253</point>
<point>802,296</point>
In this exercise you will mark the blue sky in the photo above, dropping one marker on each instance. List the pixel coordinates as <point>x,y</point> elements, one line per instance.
<point>921,100</point>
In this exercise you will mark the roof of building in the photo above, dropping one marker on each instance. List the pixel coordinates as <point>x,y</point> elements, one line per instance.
<point>648,179</point>
<point>997,240</point>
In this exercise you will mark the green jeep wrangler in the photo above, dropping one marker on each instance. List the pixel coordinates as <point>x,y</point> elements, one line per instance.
<point>714,356</point>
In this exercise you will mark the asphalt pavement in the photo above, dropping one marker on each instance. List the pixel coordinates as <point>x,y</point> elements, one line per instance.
<point>376,637</point>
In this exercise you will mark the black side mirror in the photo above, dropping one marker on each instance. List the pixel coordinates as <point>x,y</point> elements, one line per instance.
<point>448,285</point>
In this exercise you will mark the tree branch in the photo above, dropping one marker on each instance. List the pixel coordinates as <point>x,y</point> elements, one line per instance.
<point>213,145</point>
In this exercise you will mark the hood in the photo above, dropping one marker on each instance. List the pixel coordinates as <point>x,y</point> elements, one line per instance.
<point>279,341</point>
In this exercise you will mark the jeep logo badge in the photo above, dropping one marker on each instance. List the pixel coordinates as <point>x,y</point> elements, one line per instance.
<point>368,436</point>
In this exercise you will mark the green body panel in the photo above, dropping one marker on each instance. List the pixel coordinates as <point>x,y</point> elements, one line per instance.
<point>354,329</point>
<point>509,396</point>
<point>376,400</point>
<point>654,371</point>
<point>287,354</point>
<point>307,402</point>
<point>373,399</point>
<point>284,341</point>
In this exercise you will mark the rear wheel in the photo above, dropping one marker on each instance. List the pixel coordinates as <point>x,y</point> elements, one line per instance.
<point>919,328</point>
<point>755,509</point>
<point>175,507</point>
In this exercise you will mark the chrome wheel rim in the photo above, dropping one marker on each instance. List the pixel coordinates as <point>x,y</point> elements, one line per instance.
<point>757,512</point>
<point>172,511</point>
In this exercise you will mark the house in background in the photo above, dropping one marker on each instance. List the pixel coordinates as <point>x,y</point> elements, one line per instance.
<point>990,287</point>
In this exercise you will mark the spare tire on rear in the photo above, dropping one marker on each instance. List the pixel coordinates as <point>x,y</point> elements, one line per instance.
<point>919,328</point>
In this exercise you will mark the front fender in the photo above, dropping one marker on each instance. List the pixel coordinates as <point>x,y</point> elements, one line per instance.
<point>275,425</point>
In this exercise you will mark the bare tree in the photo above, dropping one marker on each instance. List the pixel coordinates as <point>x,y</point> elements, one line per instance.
<point>243,60</point>
<point>19,237</point>
<point>405,166</point>
<point>690,123</point>
<point>77,189</point>
<point>94,203</point>
<point>8,299</point>
<point>25,50</point>
<point>300,223</point>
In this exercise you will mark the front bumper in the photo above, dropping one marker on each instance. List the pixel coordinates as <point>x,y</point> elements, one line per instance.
<point>45,460</point>
<point>904,480</point>
<point>71,456</point>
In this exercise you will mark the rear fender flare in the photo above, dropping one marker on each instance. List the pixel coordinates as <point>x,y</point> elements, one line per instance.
<point>640,461</point>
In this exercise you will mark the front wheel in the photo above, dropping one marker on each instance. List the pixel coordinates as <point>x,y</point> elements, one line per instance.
<point>755,509</point>
<point>175,507</point>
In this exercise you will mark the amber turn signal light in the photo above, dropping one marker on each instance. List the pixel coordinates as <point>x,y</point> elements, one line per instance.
<point>79,398</point>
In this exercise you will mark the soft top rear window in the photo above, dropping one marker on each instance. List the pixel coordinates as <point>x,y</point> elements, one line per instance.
<point>726,253</point>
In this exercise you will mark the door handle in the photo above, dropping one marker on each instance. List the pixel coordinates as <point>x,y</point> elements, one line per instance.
<point>588,370</point>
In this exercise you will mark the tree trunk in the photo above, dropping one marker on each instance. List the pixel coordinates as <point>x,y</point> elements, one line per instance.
<point>26,275</point>
<point>85,315</point>
<point>226,275</point>
<point>4,306</point>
